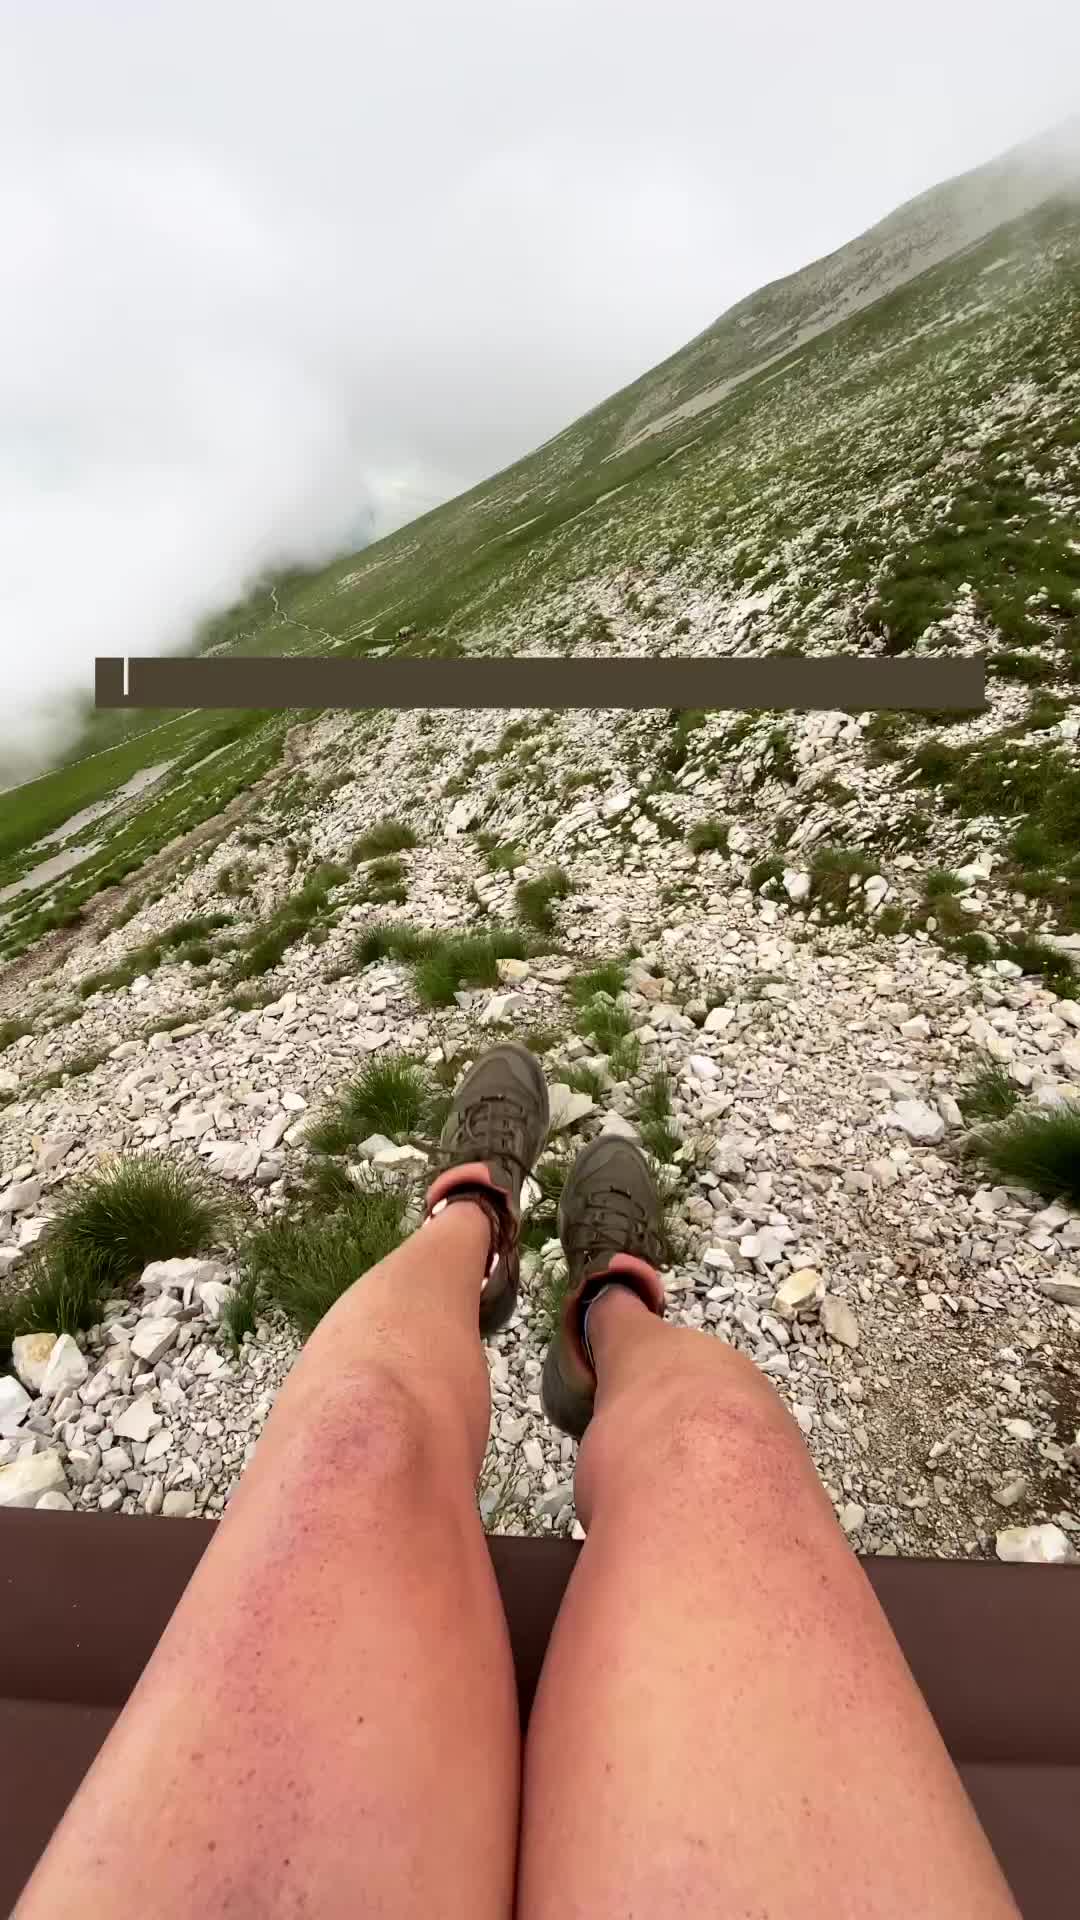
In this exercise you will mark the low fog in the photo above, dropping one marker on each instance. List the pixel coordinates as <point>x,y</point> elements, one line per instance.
<point>277,278</point>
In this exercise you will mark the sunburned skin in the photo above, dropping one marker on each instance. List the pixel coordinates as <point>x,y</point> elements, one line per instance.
<point>329,1726</point>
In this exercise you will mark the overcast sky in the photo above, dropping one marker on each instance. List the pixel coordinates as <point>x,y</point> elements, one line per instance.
<point>275,275</point>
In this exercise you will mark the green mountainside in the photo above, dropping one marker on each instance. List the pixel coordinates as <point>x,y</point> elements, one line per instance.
<point>880,452</point>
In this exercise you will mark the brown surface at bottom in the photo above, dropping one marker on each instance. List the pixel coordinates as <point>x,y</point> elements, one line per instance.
<point>84,1599</point>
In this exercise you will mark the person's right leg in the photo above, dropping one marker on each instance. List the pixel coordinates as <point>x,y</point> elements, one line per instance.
<point>725,1724</point>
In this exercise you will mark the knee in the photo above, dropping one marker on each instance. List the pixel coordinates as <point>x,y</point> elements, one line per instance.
<point>369,1431</point>
<point>700,1426</point>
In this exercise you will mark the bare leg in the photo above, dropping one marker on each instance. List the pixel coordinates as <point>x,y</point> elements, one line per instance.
<point>329,1724</point>
<point>725,1724</point>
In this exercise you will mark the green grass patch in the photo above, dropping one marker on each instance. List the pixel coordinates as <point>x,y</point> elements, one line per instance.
<point>584,1079</point>
<point>1040,1151</point>
<point>624,1057</point>
<point>306,1260</point>
<point>603,1022</point>
<point>266,945</point>
<point>386,836</point>
<point>540,1040</point>
<point>654,1117</point>
<point>139,1208</point>
<point>991,1094</point>
<point>835,874</point>
<point>710,836</point>
<point>1035,956</point>
<point>240,1312</point>
<point>57,1293</point>
<point>443,964</point>
<point>459,961</point>
<point>535,899</point>
<point>766,871</point>
<point>609,977</point>
<point>384,882</point>
<point>388,1096</point>
<point>504,858</point>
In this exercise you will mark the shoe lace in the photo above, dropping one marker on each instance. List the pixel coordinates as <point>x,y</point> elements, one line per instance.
<point>494,1126</point>
<point>612,1222</point>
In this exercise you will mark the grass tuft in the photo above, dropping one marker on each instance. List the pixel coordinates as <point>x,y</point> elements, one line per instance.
<point>602,1021</point>
<point>384,882</point>
<point>832,871</point>
<point>710,836</point>
<point>1035,956</point>
<point>303,1263</point>
<point>609,978</point>
<point>584,1079</point>
<point>1040,1151</point>
<point>109,1227</point>
<point>991,1095</point>
<point>59,1294</point>
<point>654,1115</point>
<point>465,960</point>
<point>241,1310</point>
<point>388,1096</point>
<point>535,898</point>
<point>386,836</point>
<point>137,1210</point>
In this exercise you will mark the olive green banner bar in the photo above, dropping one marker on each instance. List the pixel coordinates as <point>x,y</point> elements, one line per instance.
<point>942,684</point>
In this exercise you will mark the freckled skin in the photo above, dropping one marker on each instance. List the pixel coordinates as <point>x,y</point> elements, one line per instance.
<point>329,1724</point>
<point>725,1727</point>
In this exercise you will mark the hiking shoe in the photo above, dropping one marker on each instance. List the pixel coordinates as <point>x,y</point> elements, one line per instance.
<point>610,1225</point>
<point>492,1139</point>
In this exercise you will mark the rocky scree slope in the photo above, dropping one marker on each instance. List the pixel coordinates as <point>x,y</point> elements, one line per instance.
<point>827,940</point>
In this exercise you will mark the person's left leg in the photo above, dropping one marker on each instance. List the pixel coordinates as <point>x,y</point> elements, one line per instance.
<point>329,1724</point>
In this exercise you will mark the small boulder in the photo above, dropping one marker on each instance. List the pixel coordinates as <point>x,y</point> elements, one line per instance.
<point>798,1292</point>
<point>24,1481</point>
<point>839,1322</point>
<point>153,1338</point>
<point>30,1357</point>
<point>918,1121</point>
<point>138,1421</point>
<point>179,1276</point>
<point>21,1196</point>
<point>501,1008</point>
<point>212,1295</point>
<point>65,1368</point>
<point>15,1404</point>
<point>1046,1545</point>
<point>1064,1287</point>
<point>568,1106</point>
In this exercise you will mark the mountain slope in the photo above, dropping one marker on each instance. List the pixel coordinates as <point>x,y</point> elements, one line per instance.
<point>828,944</point>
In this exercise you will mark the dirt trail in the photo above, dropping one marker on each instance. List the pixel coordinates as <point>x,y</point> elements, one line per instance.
<point>50,952</point>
